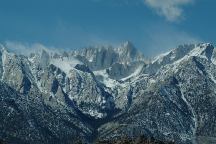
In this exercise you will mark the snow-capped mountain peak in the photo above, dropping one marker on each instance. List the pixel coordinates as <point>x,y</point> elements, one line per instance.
<point>94,91</point>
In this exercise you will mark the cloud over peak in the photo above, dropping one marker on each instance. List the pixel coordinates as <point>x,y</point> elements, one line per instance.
<point>172,10</point>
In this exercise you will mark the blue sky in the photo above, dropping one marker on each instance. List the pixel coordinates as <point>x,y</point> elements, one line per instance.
<point>154,26</point>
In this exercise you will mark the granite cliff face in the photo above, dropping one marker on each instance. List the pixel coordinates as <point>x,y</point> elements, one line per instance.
<point>108,93</point>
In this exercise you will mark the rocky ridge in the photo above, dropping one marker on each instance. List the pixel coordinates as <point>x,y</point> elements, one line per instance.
<point>107,93</point>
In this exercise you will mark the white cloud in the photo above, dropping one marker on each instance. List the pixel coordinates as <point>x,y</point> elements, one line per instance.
<point>26,48</point>
<point>171,9</point>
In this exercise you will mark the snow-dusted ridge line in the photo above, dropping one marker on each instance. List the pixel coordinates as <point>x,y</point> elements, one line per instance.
<point>160,57</point>
<point>134,74</point>
<point>191,109</point>
<point>196,51</point>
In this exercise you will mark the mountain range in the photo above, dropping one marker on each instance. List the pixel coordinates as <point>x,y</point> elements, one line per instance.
<point>106,93</point>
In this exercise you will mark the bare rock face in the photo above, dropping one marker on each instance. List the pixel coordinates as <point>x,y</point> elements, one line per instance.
<point>107,93</point>
<point>16,72</point>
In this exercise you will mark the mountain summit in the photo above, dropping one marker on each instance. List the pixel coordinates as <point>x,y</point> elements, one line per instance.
<point>107,93</point>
